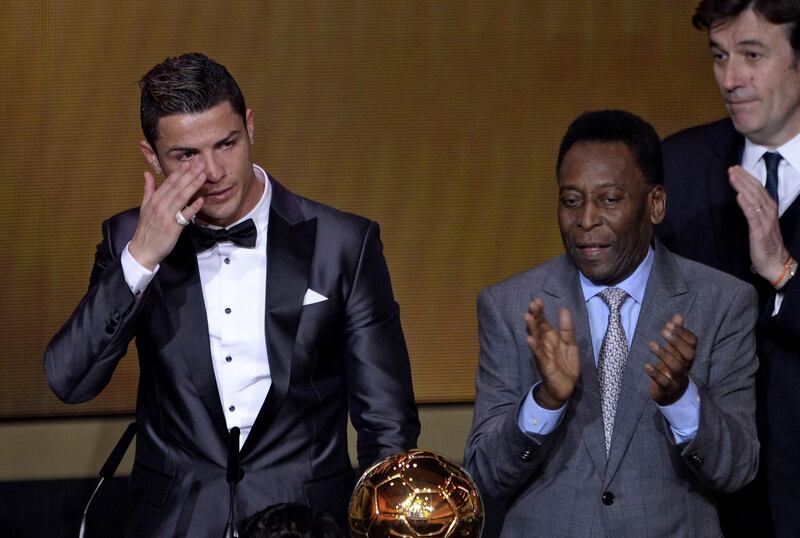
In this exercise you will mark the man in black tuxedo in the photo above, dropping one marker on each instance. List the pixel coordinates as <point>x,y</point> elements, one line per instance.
<point>733,187</point>
<point>252,307</point>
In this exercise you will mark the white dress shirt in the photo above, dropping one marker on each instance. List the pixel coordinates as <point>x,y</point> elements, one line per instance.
<point>788,169</point>
<point>234,283</point>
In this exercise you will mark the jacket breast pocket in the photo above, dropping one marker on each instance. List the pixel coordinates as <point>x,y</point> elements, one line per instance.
<point>322,309</point>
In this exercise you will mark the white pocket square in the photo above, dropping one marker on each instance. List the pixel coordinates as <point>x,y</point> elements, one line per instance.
<point>313,297</point>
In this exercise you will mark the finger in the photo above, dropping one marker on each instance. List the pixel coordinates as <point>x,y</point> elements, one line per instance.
<point>539,320</point>
<point>536,307</point>
<point>677,345</point>
<point>566,328</point>
<point>188,194</point>
<point>532,326</point>
<point>538,327</point>
<point>539,347</point>
<point>149,187</point>
<point>530,316</point>
<point>662,381</point>
<point>181,177</point>
<point>669,359</point>
<point>536,332</point>
<point>680,332</point>
<point>747,184</point>
<point>753,199</point>
<point>676,325</point>
<point>180,189</point>
<point>760,217</point>
<point>192,209</point>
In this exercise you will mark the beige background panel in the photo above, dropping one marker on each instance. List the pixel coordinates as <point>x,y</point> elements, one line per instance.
<point>439,119</point>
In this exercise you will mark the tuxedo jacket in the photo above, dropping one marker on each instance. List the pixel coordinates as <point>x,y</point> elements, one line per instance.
<point>344,354</point>
<point>703,222</point>
<point>562,484</point>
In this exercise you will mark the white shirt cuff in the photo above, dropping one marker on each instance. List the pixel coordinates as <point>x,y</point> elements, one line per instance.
<point>778,302</point>
<point>533,418</point>
<point>137,276</point>
<point>683,416</point>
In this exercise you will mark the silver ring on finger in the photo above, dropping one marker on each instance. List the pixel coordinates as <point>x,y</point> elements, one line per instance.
<point>180,219</point>
<point>757,210</point>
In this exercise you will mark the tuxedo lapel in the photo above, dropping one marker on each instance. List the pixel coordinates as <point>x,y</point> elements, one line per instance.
<point>179,281</point>
<point>564,286</point>
<point>290,251</point>
<point>666,294</point>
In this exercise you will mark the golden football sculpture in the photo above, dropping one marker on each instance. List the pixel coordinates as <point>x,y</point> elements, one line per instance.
<point>416,494</point>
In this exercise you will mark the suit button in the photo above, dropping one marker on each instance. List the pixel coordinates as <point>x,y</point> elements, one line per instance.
<point>607,498</point>
<point>112,322</point>
<point>696,458</point>
<point>527,455</point>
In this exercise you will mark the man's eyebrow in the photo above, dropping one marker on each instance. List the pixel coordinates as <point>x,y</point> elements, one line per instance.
<point>606,185</point>
<point>749,42</point>
<point>182,149</point>
<point>227,137</point>
<point>188,149</point>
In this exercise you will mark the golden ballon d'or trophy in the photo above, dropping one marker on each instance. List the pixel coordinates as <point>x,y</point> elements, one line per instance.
<point>416,494</point>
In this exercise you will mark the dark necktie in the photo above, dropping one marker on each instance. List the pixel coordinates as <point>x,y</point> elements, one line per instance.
<point>772,160</point>
<point>611,362</point>
<point>243,234</point>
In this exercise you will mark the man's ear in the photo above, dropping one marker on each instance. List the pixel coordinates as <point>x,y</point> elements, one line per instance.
<point>248,120</point>
<point>150,156</point>
<point>658,203</point>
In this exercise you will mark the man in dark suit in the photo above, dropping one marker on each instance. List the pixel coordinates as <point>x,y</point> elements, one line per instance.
<point>636,409</point>
<point>251,307</point>
<point>733,186</point>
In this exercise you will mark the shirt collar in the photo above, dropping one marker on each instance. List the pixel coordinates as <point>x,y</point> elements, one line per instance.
<point>753,153</point>
<point>634,285</point>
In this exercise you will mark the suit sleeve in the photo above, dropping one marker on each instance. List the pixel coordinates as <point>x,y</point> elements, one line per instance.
<point>724,453</point>
<point>380,391</point>
<point>499,456</point>
<point>80,359</point>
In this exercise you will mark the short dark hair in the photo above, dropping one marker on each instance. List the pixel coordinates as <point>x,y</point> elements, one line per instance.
<point>618,126</point>
<point>185,84</point>
<point>289,520</point>
<point>775,11</point>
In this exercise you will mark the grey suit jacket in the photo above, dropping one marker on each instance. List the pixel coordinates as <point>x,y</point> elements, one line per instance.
<point>562,484</point>
<point>343,355</point>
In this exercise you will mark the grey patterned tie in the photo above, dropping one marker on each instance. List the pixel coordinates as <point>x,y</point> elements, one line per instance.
<point>611,363</point>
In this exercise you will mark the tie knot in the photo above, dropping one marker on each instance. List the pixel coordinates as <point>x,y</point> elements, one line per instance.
<point>243,234</point>
<point>772,159</point>
<point>614,297</point>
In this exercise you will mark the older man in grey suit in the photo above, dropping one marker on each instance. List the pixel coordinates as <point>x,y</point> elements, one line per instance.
<point>631,413</point>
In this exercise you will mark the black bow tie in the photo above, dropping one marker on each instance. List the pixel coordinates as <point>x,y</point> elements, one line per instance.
<point>243,234</point>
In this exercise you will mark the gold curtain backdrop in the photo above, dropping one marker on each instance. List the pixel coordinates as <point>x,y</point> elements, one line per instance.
<point>439,119</point>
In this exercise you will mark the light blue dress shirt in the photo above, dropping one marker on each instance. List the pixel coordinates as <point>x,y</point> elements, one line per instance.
<point>683,416</point>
